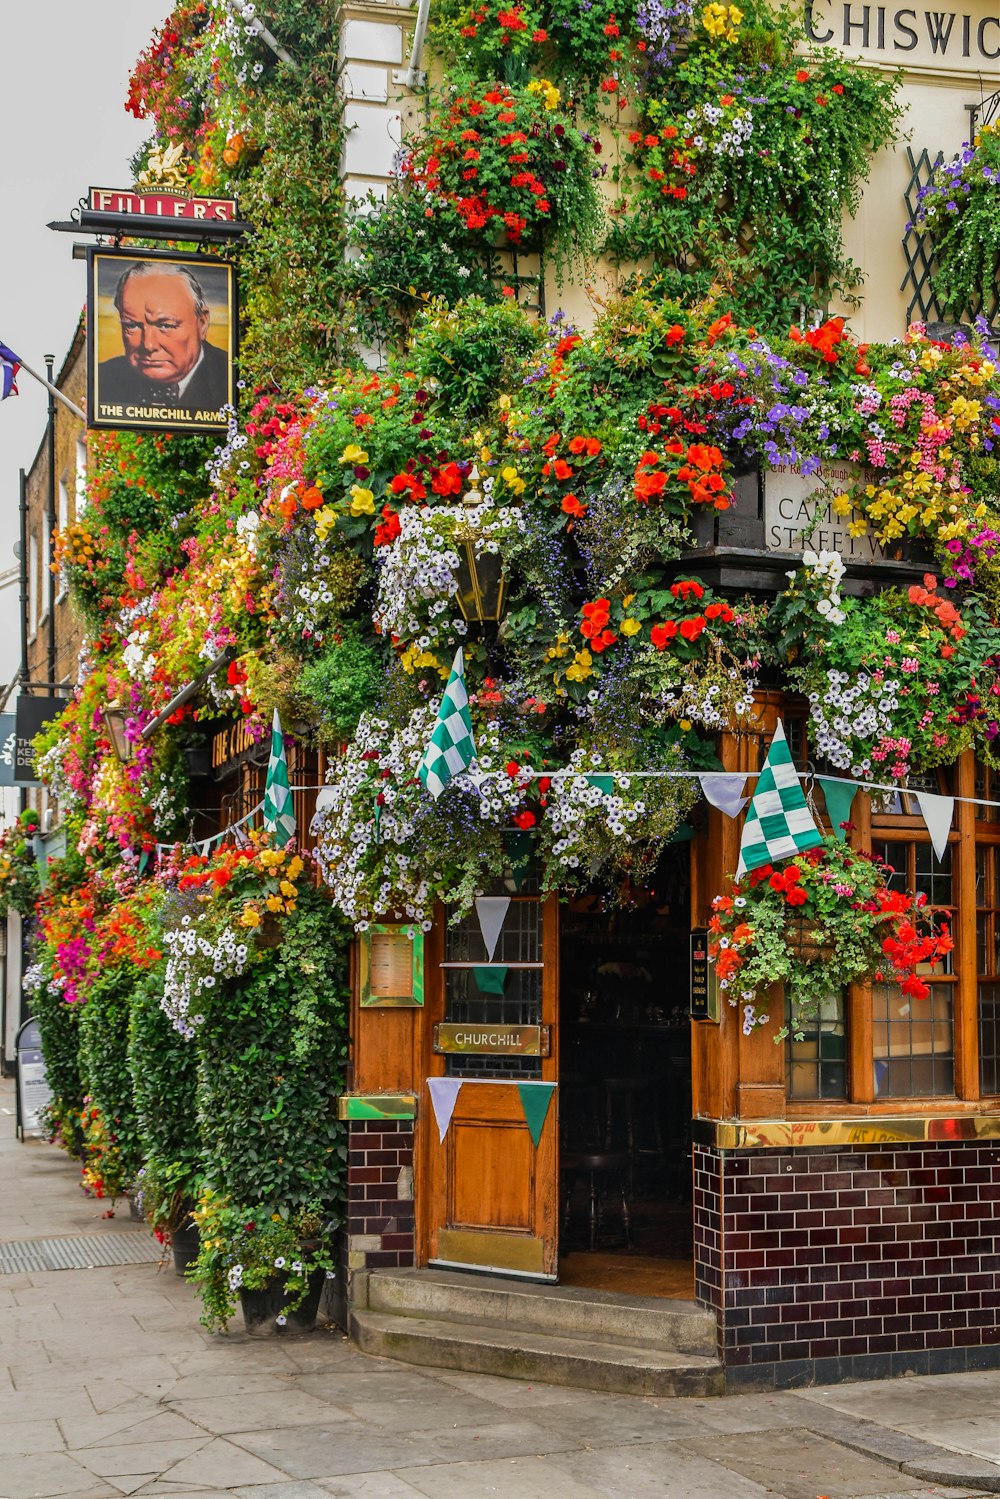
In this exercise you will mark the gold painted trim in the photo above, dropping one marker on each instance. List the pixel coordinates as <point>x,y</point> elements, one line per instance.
<point>873,1129</point>
<point>490,1250</point>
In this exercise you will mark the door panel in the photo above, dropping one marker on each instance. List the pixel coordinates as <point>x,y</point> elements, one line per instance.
<point>492,1194</point>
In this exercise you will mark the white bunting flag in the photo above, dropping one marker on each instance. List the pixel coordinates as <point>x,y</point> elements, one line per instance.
<point>444,1095</point>
<point>937,813</point>
<point>492,913</point>
<point>725,791</point>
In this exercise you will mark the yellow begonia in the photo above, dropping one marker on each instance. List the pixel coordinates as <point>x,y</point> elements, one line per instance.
<point>582,668</point>
<point>631,626</point>
<point>415,660</point>
<point>550,94</point>
<point>512,479</point>
<point>353,454</point>
<point>325,519</point>
<point>362,501</point>
<point>288,891</point>
<point>250,917</point>
<point>295,868</point>
<point>555,652</point>
<point>274,903</point>
<point>721,21</point>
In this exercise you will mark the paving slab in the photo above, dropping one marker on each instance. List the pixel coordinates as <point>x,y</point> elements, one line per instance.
<point>382,1485</point>
<point>801,1465</point>
<point>520,1478</point>
<point>50,1476</point>
<point>249,1412</point>
<point>350,1446</point>
<point>222,1465</point>
<point>641,1471</point>
<point>151,1459</point>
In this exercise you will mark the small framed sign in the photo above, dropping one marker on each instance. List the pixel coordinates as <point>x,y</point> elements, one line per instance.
<point>704,984</point>
<point>392,967</point>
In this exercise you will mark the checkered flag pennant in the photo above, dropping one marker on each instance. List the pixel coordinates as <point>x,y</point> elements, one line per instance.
<point>279,818</point>
<point>779,824</point>
<point>452,747</point>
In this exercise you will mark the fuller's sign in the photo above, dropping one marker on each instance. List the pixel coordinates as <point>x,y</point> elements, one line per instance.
<point>799,513</point>
<point>119,202</point>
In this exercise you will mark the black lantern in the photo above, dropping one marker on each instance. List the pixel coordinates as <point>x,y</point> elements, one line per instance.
<point>114,720</point>
<point>481,582</point>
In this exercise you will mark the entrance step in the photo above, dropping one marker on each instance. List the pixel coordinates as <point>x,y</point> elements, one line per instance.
<point>635,1345</point>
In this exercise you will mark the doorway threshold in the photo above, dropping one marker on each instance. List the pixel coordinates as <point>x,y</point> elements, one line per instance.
<point>571,1335</point>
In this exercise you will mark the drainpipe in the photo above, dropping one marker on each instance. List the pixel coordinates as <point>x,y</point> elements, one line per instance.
<point>415,77</point>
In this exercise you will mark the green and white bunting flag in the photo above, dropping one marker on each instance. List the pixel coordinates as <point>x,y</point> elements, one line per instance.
<point>779,824</point>
<point>452,747</point>
<point>279,817</point>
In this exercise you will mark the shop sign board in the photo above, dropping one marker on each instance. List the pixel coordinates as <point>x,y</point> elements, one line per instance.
<point>8,748</point>
<point>122,202</point>
<point>704,1001</point>
<point>799,514</point>
<point>31,714</point>
<point>468,1038</point>
<point>33,1090</point>
<point>161,341</point>
<point>392,967</point>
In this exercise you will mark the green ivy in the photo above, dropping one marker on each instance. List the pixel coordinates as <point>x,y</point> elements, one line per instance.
<point>104,1069</point>
<point>272,1053</point>
<point>164,1070</point>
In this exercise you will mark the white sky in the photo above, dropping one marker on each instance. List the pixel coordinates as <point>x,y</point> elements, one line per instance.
<point>65,78</point>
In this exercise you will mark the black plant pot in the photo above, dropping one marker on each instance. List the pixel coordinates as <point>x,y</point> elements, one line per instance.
<point>261,1309</point>
<point>184,1242</point>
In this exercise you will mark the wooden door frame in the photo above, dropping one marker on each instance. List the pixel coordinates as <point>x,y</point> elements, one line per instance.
<point>432,1065</point>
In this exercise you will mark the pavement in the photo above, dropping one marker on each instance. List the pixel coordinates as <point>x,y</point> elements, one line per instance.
<point>109,1387</point>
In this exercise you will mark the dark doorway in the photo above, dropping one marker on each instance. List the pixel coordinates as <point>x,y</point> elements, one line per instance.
<point>625,1087</point>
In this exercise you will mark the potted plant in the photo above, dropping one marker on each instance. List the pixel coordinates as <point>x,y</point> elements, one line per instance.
<point>958,209</point>
<point>821,921</point>
<point>272,1264</point>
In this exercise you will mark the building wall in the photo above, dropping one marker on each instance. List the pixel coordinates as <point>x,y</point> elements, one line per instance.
<point>824,1265</point>
<point>70,434</point>
<point>940,84</point>
<point>380,1221</point>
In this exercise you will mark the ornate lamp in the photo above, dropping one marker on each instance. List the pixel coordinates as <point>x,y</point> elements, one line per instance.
<point>114,716</point>
<point>481,583</point>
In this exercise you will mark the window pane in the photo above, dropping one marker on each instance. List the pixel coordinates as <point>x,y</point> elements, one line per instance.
<point>933,879</point>
<point>989,1038</point>
<point>913,1042</point>
<point>894,854</point>
<point>817,1065</point>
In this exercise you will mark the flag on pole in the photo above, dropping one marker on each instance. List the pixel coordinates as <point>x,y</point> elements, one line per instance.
<point>9,366</point>
<point>452,747</point>
<point>779,824</point>
<point>279,818</point>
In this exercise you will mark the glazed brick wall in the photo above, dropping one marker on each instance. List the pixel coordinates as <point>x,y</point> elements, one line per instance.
<point>379,1219</point>
<point>835,1264</point>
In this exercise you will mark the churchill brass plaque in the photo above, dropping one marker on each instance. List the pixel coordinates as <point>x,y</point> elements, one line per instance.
<point>470,1038</point>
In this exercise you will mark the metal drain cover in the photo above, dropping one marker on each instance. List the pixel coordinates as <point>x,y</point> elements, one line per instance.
<point>83,1252</point>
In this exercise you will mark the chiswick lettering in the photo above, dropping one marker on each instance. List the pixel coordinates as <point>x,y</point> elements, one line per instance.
<point>956,38</point>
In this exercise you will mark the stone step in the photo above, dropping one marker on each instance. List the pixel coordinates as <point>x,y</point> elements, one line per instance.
<point>451,1296</point>
<point>515,1353</point>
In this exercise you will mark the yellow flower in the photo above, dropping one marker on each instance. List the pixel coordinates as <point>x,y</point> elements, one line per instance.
<point>582,667</point>
<point>250,917</point>
<point>842,504</point>
<point>504,403</point>
<point>288,890</point>
<point>549,92</point>
<point>631,626</point>
<point>353,454</point>
<point>325,520</point>
<point>272,858</point>
<point>274,903</point>
<point>686,725</point>
<point>512,479</point>
<point>295,868</point>
<point>362,501</point>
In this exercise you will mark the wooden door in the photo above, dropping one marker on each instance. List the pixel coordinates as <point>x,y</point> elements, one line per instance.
<point>491,1198</point>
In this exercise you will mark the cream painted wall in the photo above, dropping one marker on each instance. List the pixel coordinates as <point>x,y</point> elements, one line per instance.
<point>936,93</point>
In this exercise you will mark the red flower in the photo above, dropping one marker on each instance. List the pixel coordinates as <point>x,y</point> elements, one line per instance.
<point>572,506</point>
<point>562,469</point>
<point>525,820</point>
<point>686,589</point>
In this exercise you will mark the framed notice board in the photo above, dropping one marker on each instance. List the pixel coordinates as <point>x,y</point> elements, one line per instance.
<point>392,967</point>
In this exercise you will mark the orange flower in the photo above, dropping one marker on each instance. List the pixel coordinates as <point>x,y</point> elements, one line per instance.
<point>311,499</point>
<point>562,469</point>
